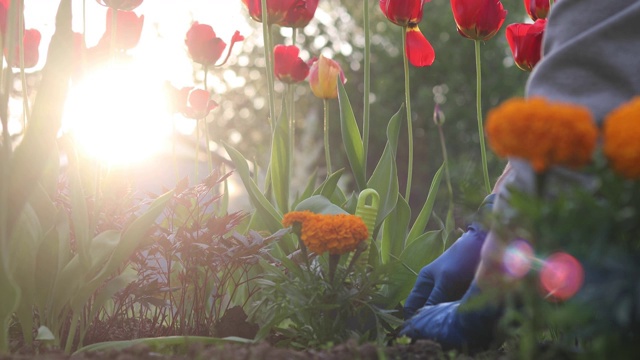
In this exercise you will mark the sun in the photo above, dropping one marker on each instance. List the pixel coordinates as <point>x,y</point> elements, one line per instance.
<point>117,115</point>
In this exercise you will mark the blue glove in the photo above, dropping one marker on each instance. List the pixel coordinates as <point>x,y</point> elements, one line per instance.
<point>447,278</point>
<point>454,326</point>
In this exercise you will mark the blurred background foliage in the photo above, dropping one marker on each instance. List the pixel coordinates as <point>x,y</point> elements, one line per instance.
<point>337,32</point>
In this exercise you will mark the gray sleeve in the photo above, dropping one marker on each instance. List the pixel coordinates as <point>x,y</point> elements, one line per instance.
<point>591,54</point>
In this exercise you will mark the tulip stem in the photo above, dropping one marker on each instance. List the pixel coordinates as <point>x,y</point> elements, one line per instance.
<point>367,84</point>
<point>407,94</point>
<point>291,112</point>
<point>326,136</point>
<point>446,165</point>
<point>206,128</point>
<point>197,149</point>
<point>23,76</point>
<point>268,55</point>
<point>483,151</point>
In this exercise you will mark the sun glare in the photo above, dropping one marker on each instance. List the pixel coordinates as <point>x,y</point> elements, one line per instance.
<point>117,115</point>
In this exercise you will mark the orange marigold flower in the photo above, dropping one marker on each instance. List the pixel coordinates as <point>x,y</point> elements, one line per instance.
<point>542,132</point>
<point>622,139</point>
<point>336,234</point>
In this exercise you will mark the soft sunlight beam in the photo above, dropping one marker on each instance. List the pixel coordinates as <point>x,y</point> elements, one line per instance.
<point>117,115</point>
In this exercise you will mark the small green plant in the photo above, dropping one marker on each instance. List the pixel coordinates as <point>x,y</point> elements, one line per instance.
<point>322,294</point>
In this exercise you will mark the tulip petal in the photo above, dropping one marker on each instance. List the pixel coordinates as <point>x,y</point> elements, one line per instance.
<point>419,50</point>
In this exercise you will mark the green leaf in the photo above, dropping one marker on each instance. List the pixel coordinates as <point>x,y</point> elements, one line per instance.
<point>47,268</point>
<point>166,343</point>
<point>111,288</point>
<point>328,187</point>
<point>133,235</point>
<point>280,161</point>
<point>26,239</point>
<point>385,176</point>
<point>265,211</point>
<point>404,271</point>
<point>394,231</point>
<point>308,190</point>
<point>425,214</point>
<point>79,215</point>
<point>320,205</point>
<point>351,138</point>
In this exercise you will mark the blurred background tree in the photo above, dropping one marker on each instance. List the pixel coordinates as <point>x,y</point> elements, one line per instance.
<point>337,32</point>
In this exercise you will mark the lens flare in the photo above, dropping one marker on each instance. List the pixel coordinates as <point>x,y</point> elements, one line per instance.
<point>117,115</point>
<point>517,258</point>
<point>561,276</point>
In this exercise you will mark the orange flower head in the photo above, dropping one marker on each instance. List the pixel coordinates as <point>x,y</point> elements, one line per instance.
<point>337,234</point>
<point>542,132</point>
<point>621,134</point>
<point>323,78</point>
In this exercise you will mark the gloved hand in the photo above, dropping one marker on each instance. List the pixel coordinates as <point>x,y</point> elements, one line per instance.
<point>453,325</point>
<point>447,278</point>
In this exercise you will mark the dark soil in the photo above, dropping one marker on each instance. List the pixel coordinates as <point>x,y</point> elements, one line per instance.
<point>232,324</point>
<point>420,350</point>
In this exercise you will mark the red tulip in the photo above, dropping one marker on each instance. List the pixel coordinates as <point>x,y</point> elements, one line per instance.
<point>189,101</point>
<point>537,9</point>
<point>478,19</point>
<point>288,66</point>
<point>323,78</point>
<point>277,10</point>
<point>525,41</point>
<point>128,30</point>
<point>4,10</point>
<point>199,104</point>
<point>123,5</point>
<point>31,42</point>
<point>300,14</point>
<point>31,39</point>
<point>408,13</point>
<point>203,45</point>
<point>402,12</point>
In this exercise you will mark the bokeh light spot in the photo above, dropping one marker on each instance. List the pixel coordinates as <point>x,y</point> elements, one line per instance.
<point>561,276</point>
<point>517,258</point>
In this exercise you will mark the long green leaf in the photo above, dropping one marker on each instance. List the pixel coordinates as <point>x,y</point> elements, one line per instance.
<point>403,271</point>
<point>80,215</point>
<point>385,176</point>
<point>26,238</point>
<point>394,231</point>
<point>133,235</point>
<point>425,214</point>
<point>162,343</point>
<point>39,141</point>
<point>351,138</point>
<point>265,211</point>
<point>280,161</point>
